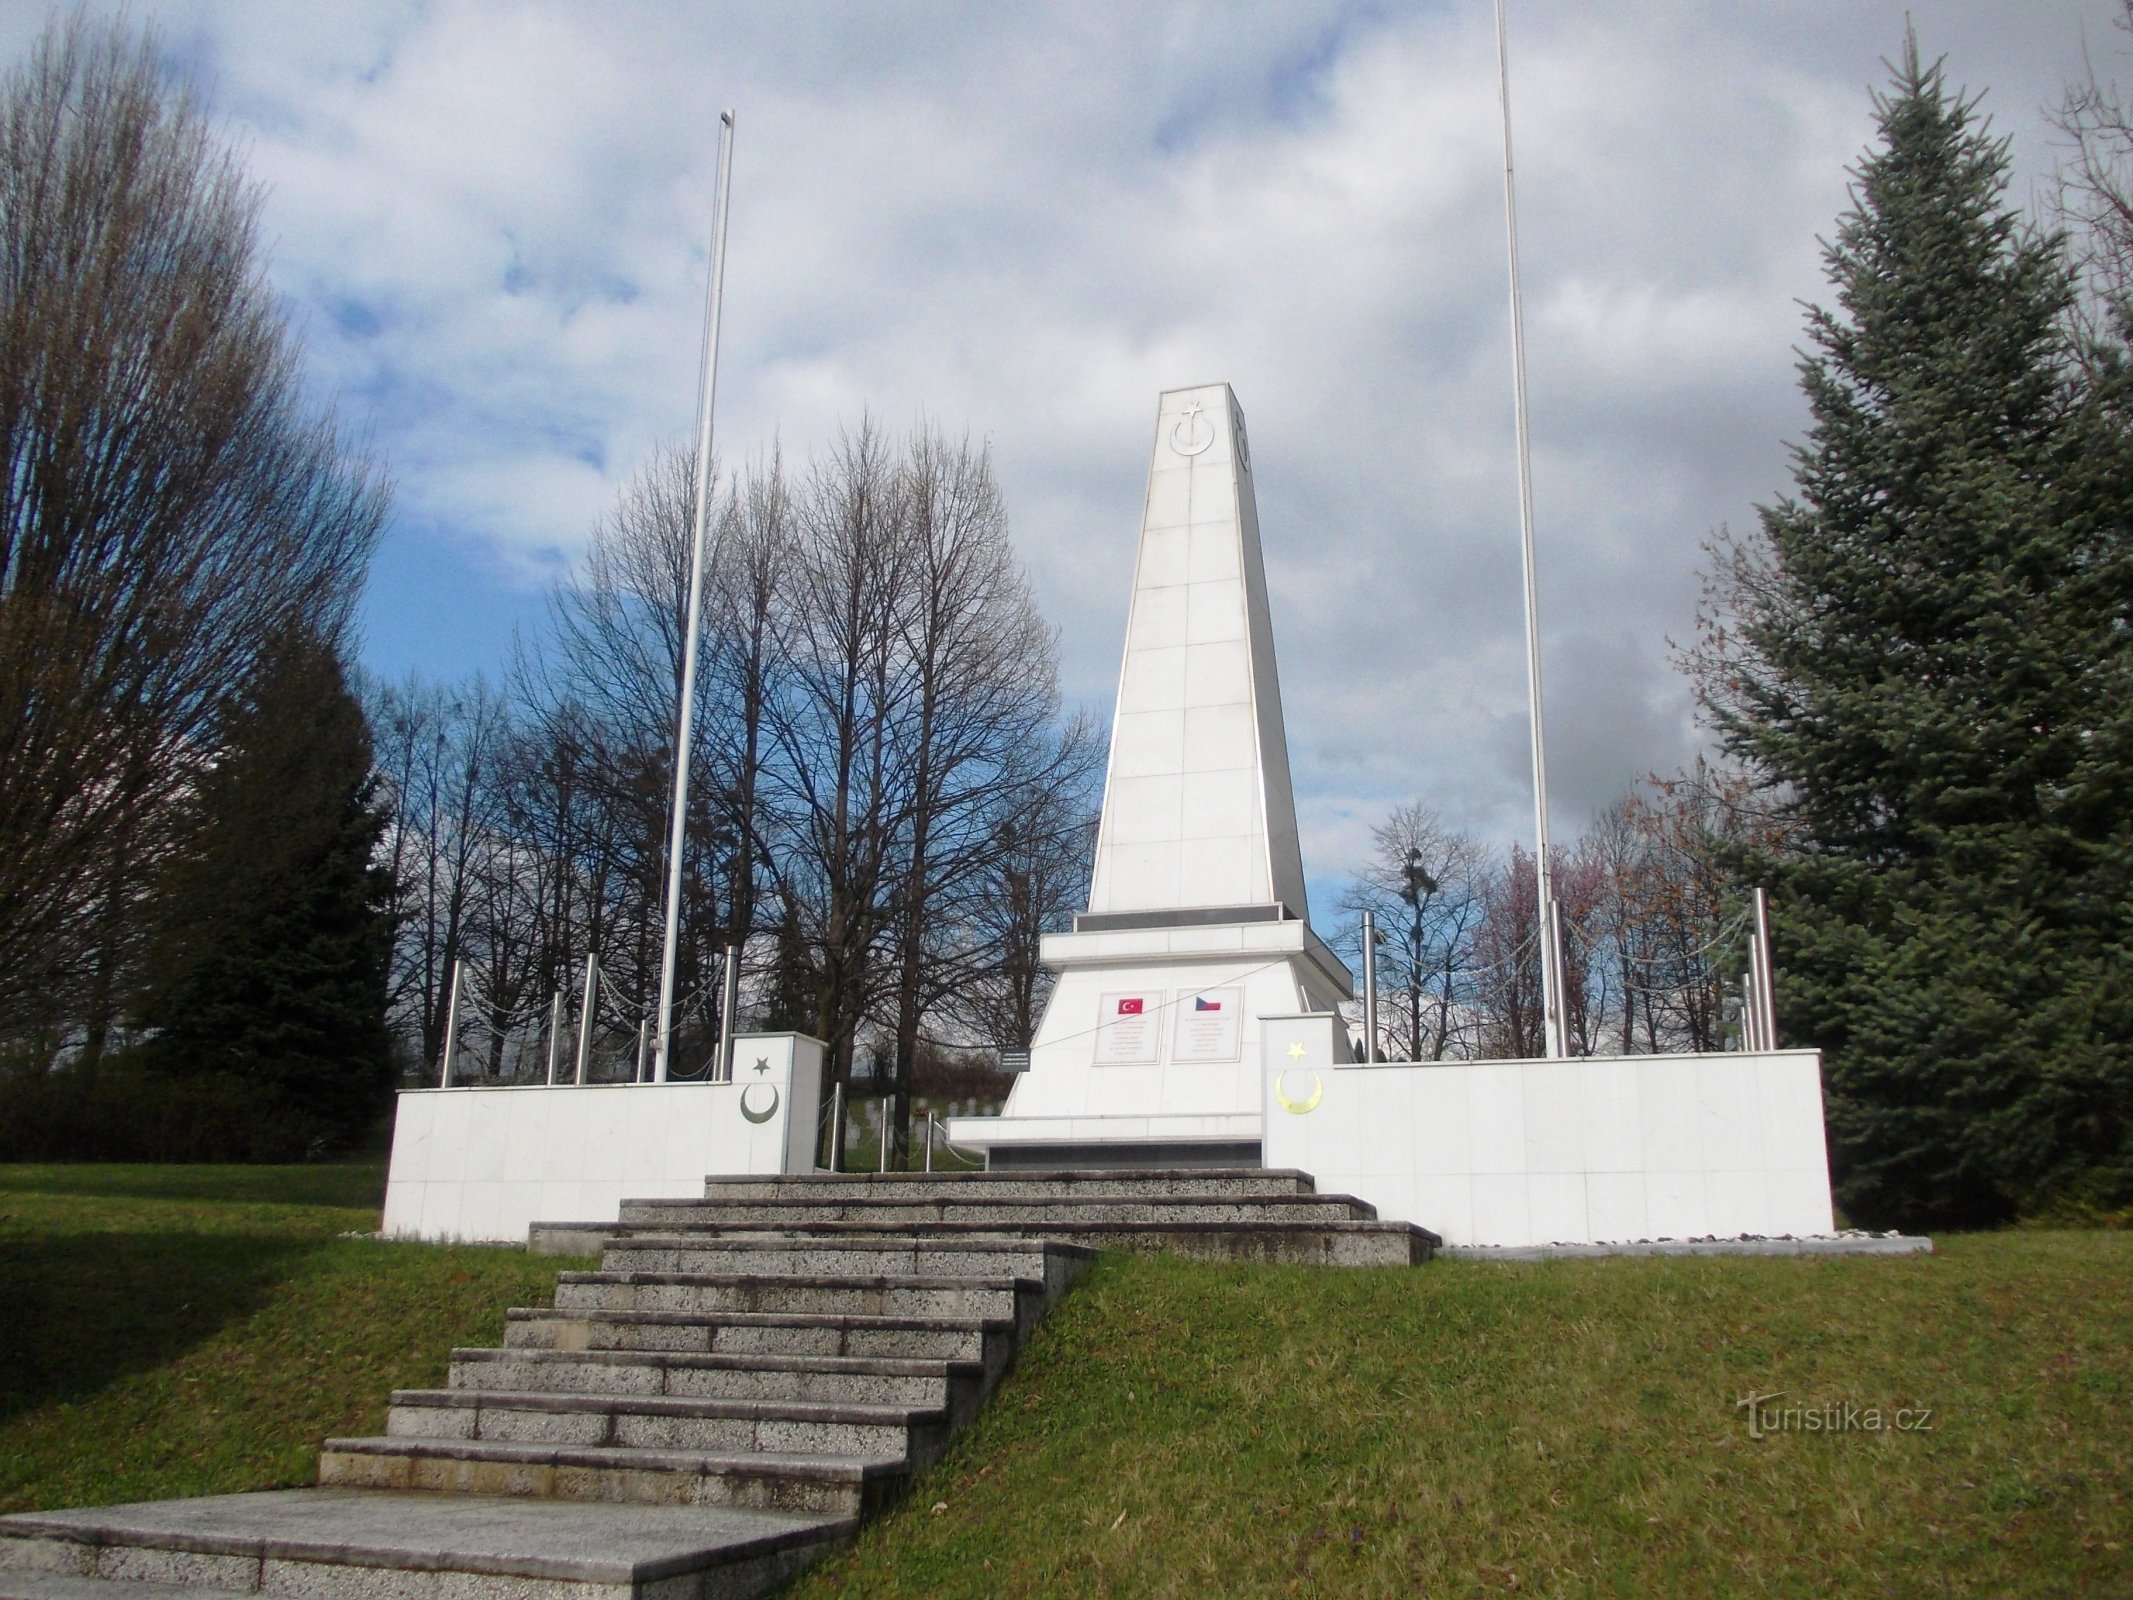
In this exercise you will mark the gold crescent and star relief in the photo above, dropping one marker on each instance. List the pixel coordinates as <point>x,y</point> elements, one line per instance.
<point>1299,1108</point>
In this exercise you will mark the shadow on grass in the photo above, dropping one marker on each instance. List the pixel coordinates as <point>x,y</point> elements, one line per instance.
<point>352,1184</point>
<point>85,1309</point>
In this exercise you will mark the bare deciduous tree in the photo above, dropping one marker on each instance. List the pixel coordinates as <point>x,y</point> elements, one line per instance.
<point>167,501</point>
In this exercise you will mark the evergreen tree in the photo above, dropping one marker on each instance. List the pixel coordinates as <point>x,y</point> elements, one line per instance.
<point>273,938</point>
<point>1926,655</point>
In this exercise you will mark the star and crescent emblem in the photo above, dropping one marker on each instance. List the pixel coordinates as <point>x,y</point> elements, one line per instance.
<point>762,1064</point>
<point>1304,1107</point>
<point>1193,433</point>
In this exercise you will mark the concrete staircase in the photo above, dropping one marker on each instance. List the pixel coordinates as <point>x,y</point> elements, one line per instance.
<point>745,1378</point>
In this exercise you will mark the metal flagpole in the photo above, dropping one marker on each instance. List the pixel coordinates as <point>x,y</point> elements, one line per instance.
<point>451,1029</point>
<point>1551,950</point>
<point>679,822</point>
<point>585,1015</point>
<point>1370,987</point>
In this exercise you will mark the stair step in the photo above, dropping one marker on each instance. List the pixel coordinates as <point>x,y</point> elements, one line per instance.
<point>1323,1242</point>
<point>361,1544</point>
<point>907,1295</point>
<point>758,1376</point>
<point>646,1422</point>
<point>862,1253</point>
<point>890,1210</point>
<point>986,1339</point>
<point>796,1482</point>
<point>1154,1184</point>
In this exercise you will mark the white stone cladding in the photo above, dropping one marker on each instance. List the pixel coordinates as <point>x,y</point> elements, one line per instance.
<point>1197,913</point>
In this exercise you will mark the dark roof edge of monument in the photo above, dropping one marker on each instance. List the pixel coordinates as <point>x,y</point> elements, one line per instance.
<point>1181,917</point>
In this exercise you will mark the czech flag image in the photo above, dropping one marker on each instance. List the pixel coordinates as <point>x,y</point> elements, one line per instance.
<point>1129,1008</point>
<point>1202,1003</point>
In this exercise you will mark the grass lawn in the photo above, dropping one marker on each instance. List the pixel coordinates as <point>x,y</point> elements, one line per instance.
<point>1563,1428</point>
<point>1185,1429</point>
<point>193,1330</point>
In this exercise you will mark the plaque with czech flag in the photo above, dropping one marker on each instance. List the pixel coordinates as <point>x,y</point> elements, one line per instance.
<point>1209,1026</point>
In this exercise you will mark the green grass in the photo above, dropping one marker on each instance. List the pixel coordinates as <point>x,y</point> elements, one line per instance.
<point>1183,1429</point>
<point>1569,1428</point>
<point>195,1330</point>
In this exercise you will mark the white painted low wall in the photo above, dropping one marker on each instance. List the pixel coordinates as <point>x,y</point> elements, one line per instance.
<point>1537,1152</point>
<point>484,1164</point>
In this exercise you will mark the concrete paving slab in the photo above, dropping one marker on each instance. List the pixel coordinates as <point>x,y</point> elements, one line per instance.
<point>585,1542</point>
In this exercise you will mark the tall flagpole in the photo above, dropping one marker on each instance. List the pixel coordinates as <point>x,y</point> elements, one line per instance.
<point>679,824</point>
<point>1546,924</point>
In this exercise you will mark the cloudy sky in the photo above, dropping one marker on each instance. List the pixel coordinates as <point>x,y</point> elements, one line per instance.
<point>491,222</point>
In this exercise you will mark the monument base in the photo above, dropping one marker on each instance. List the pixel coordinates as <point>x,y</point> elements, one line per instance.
<point>1148,1055</point>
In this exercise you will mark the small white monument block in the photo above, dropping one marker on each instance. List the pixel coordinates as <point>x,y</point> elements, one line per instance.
<point>482,1164</point>
<point>1197,923</point>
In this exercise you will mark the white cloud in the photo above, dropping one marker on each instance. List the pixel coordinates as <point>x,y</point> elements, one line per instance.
<point>492,221</point>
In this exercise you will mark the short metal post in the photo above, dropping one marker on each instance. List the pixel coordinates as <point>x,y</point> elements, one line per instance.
<point>643,1033</point>
<point>888,1104</point>
<point>929,1141</point>
<point>1766,974</point>
<point>555,1034</point>
<point>451,1029</point>
<point>585,1017</point>
<point>836,1123</point>
<point>729,998</point>
<point>1370,987</point>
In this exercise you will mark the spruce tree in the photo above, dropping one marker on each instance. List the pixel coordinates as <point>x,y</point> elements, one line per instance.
<point>1926,656</point>
<point>273,938</point>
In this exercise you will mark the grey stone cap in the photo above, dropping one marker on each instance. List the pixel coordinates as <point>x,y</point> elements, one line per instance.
<point>851,1321</point>
<point>969,1238</point>
<point>814,1466</point>
<point>747,1361</point>
<point>970,1202</point>
<point>805,1280</point>
<point>666,1406</point>
<point>1153,1177</point>
<point>572,1540</point>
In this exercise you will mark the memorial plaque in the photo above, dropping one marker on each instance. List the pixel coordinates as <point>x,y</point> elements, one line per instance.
<point>1126,1028</point>
<point>1209,1026</point>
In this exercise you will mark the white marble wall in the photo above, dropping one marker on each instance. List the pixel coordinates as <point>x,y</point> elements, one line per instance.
<point>1197,802</point>
<point>483,1164</point>
<point>1537,1152</point>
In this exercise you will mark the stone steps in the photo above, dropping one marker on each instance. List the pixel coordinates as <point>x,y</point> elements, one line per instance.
<point>663,1422</point>
<point>980,1212</point>
<point>1170,1184</point>
<point>990,1340</point>
<point>889,1295</point>
<point>841,1380</point>
<point>1210,1214</point>
<point>744,1379</point>
<point>757,1480</point>
<point>352,1544</point>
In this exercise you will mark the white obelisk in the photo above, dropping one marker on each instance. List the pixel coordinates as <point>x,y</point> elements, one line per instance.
<point>1197,923</point>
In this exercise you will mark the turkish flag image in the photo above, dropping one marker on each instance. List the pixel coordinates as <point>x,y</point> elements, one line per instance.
<point>1129,1008</point>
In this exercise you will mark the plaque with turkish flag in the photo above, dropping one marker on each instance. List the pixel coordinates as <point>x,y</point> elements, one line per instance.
<point>1126,1033</point>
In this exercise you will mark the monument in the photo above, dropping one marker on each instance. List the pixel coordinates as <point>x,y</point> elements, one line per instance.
<point>1197,923</point>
